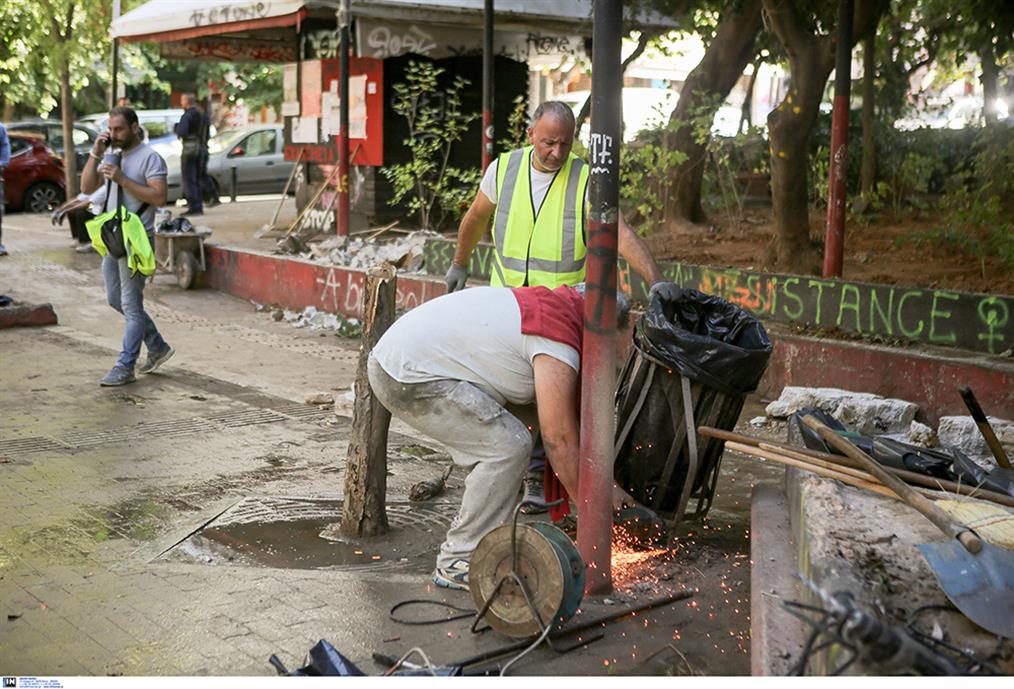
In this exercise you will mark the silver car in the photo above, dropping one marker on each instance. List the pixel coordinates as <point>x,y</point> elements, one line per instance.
<point>255,153</point>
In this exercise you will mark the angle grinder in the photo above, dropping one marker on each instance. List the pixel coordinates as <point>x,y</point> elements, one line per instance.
<point>643,528</point>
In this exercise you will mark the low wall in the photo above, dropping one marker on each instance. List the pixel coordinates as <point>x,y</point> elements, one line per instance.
<point>928,377</point>
<point>975,322</point>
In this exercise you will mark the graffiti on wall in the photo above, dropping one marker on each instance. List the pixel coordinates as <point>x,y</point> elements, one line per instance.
<point>977,322</point>
<point>225,14</point>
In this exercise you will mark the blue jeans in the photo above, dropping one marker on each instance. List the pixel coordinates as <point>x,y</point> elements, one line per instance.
<point>125,293</point>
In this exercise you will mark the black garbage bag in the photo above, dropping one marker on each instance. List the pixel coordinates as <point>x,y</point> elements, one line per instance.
<point>946,463</point>
<point>325,661</point>
<point>707,339</point>
<point>723,351</point>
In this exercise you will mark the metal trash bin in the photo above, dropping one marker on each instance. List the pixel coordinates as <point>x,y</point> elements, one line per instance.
<point>693,362</point>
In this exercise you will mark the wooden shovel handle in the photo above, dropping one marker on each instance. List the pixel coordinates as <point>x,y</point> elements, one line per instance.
<point>983,423</point>
<point>940,519</point>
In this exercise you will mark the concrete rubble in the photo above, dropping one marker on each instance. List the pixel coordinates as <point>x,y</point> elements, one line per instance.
<point>865,412</point>
<point>404,251</point>
<point>961,432</point>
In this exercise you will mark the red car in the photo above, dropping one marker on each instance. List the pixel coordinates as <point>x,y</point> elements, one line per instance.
<point>33,180</point>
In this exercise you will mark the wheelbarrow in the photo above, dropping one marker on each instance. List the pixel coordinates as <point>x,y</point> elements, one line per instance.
<point>181,254</point>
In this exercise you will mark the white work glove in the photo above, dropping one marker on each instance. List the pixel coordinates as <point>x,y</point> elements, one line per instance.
<point>666,291</point>
<point>456,277</point>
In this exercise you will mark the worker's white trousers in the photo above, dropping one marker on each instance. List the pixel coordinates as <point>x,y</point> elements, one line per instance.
<point>478,431</point>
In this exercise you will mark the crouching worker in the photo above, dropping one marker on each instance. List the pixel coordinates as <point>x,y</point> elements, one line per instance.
<point>462,368</point>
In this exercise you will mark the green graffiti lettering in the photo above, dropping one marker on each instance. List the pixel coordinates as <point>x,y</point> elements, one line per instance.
<point>846,304</point>
<point>995,314</point>
<point>795,297</point>
<point>820,285</point>
<point>901,307</point>
<point>934,313</point>
<point>773,292</point>
<point>876,308</point>
<point>754,297</point>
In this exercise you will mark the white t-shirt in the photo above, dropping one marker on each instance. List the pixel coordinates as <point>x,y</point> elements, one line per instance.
<point>472,335</point>
<point>541,182</point>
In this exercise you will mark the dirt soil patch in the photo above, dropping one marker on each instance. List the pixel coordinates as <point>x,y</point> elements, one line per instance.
<point>887,252</point>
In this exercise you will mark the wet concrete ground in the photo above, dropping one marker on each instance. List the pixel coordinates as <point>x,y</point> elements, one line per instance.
<point>100,570</point>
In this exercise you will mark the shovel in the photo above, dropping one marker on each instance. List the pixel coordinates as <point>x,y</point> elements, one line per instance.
<point>977,577</point>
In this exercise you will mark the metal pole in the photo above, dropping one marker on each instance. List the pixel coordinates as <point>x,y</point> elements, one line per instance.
<point>487,86</point>
<point>834,235</point>
<point>343,136</point>
<point>115,61</point>
<point>598,359</point>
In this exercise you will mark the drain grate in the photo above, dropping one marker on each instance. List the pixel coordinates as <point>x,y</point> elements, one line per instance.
<point>246,417</point>
<point>301,533</point>
<point>24,446</point>
<point>145,429</point>
<point>305,411</point>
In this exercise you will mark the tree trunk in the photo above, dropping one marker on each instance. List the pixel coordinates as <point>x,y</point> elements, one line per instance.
<point>703,92</point>
<point>789,127</point>
<point>868,174</point>
<point>363,509</point>
<point>990,74</point>
<point>67,111</point>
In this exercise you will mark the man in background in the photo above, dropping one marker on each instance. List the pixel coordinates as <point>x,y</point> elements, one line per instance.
<point>188,129</point>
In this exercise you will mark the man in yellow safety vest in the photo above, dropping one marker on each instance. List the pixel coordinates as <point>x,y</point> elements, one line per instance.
<point>538,196</point>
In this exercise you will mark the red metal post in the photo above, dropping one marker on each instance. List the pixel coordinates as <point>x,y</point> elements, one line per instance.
<point>834,234</point>
<point>487,86</point>
<point>343,137</point>
<point>598,356</point>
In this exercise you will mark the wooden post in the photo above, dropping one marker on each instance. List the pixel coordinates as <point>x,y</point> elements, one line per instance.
<point>363,510</point>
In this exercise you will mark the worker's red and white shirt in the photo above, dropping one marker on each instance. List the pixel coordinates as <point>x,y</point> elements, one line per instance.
<point>472,335</point>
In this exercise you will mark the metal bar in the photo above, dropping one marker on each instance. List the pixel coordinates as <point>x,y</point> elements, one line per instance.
<point>487,86</point>
<point>598,360</point>
<point>834,235</point>
<point>343,136</point>
<point>583,626</point>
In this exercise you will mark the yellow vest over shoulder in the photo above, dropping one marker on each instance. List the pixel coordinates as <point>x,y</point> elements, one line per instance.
<point>547,248</point>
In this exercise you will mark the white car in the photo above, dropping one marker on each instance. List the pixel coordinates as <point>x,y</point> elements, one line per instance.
<point>158,125</point>
<point>255,152</point>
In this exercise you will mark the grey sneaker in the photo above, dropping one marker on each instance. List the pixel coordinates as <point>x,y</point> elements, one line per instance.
<point>86,248</point>
<point>118,376</point>
<point>454,576</point>
<point>156,360</point>
<point>534,500</point>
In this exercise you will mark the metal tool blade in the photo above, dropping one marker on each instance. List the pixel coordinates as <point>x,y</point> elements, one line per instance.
<point>981,586</point>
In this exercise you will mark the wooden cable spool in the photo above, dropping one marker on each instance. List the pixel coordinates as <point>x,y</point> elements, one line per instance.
<point>549,565</point>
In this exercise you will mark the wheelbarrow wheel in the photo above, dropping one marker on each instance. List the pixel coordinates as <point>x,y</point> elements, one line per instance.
<point>186,269</point>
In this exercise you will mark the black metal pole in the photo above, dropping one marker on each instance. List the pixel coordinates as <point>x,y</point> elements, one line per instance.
<point>343,137</point>
<point>487,85</point>
<point>598,358</point>
<point>115,70</point>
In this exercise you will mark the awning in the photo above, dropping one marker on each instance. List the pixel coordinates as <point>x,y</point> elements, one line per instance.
<point>176,20</point>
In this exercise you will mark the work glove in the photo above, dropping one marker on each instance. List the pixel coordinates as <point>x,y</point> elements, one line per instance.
<point>666,291</point>
<point>455,278</point>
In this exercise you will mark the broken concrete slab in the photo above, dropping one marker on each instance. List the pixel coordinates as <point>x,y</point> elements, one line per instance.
<point>922,435</point>
<point>862,411</point>
<point>962,433</point>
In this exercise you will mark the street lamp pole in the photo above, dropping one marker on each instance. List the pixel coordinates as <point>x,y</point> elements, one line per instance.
<point>343,113</point>
<point>487,86</point>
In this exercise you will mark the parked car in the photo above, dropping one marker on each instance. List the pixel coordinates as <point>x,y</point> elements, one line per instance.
<point>51,133</point>
<point>256,154</point>
<point>33,180</point>
<point>158,126</point>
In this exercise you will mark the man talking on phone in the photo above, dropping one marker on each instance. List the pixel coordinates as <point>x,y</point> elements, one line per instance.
<point>135,175</point>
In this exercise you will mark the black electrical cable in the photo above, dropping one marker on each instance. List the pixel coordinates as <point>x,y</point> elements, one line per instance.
<point>465,612</point>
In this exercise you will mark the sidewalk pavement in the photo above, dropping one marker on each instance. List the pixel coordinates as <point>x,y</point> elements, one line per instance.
<point>99,484</point>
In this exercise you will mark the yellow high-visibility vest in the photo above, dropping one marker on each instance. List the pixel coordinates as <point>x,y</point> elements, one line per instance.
<point>547,248</point>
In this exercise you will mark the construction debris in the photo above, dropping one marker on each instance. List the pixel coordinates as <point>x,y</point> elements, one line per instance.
<point>962,432</point>
<point>313,319</point>
<point>865,412</point>
<point>404,252</point>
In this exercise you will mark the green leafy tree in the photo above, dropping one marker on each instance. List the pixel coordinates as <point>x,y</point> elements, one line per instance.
<point>436,120</point>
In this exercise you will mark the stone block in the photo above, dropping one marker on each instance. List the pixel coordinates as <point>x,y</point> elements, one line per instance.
<point>861,411</point>
<point>962,433</point>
